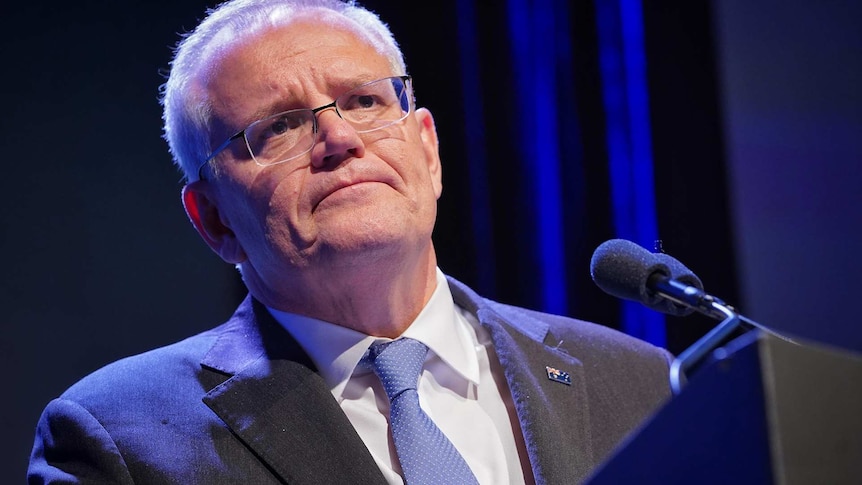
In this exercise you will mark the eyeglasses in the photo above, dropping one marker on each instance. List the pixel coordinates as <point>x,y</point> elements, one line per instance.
<point>285,136</point>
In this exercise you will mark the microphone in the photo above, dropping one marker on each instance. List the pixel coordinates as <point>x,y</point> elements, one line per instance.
<point>623,269</point>
<point>626,270</point>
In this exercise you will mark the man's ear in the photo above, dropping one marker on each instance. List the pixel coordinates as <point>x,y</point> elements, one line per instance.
<point>202,209</point>
<point>428,134</point>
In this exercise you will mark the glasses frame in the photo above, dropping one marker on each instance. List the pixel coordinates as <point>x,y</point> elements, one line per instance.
<point>408,87</point>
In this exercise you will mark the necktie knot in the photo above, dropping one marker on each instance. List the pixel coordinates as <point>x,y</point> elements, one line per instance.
<point>397,364</point>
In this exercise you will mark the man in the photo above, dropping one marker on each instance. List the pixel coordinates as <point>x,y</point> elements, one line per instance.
<point>311,170</point>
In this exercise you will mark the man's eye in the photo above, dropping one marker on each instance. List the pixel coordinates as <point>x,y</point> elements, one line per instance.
<point>365,101</point>
<point>362,102</point>
<point>279,127</point>
<point>282,125</point>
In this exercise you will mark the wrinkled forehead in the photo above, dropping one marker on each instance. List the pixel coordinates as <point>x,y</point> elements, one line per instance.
<point>232,37</point>
<point>261,71</point>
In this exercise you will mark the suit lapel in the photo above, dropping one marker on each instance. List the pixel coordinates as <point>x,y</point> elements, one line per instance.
<point>554,417</point>
<point>276,403</point>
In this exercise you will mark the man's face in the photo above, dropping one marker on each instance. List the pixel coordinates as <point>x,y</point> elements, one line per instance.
<point>352,200</point>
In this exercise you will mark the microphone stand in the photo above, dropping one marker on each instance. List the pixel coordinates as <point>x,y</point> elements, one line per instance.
<point>709,305</point>
<point>697,351</point>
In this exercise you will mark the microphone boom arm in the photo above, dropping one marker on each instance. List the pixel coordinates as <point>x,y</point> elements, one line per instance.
<point>697,351</point>
<point>697,299</point>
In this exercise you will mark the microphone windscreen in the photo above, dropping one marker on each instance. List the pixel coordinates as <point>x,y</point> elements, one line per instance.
<point>679,272</point>
<point>622,268</point>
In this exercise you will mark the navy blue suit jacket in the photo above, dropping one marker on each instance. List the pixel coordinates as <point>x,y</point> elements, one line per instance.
<point>243,403</point>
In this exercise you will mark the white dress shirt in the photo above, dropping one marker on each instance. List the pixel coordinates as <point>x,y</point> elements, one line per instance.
<point>461,387</point>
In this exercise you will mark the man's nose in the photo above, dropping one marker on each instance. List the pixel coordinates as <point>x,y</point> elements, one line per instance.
<point>337,140</point>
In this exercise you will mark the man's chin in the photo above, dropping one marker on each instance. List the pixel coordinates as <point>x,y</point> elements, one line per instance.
<point>367,242</point>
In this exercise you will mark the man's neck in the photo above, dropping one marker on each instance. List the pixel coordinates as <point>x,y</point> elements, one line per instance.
<point>378,298</point>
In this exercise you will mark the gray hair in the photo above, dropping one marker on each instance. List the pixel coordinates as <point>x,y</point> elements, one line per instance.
<point>187,110</point>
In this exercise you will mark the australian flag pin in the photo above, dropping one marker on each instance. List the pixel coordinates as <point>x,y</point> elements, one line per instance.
<point>558,375</point>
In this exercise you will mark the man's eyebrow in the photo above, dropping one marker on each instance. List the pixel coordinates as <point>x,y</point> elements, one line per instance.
<point>277,106</point>
<point>336,86</point>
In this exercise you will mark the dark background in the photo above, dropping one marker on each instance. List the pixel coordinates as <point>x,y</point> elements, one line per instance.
<point>756,121</point>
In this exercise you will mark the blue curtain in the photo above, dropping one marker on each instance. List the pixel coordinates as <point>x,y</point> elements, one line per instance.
<point>538,94</point>
<point>624,83</point>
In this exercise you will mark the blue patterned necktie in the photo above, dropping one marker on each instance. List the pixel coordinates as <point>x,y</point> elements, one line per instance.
<point>427,456</point>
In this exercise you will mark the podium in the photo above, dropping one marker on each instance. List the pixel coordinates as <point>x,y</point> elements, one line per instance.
<point>762,411</point>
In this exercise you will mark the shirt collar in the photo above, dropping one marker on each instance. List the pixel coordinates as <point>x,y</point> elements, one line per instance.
<point>336,350</point>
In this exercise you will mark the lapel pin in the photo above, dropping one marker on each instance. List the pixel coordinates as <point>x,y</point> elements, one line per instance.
<point>558,375</point>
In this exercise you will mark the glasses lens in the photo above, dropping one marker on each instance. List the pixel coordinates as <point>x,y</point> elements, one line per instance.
<point>375,105</point>
<point>281,137</point>
<point>369,107</point>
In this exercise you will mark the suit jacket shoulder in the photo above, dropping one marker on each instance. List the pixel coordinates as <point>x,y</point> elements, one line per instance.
<point>579,388</point>
<point>241,403</point>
